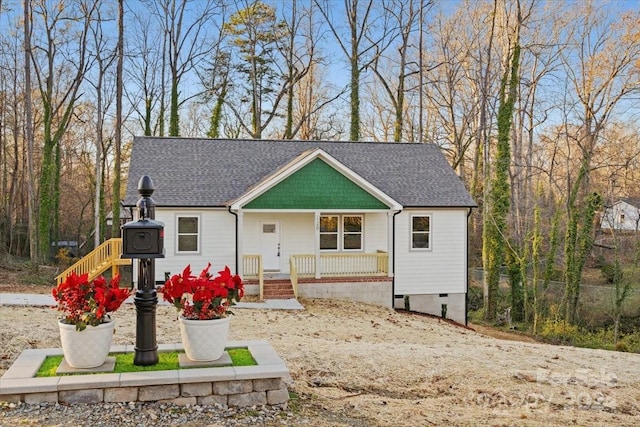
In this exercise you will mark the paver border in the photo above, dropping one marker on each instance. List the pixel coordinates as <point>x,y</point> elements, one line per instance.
<point>19,383</point>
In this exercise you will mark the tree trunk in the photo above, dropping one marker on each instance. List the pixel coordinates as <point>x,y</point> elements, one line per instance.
<point>486,165</point>
<point>115,205</point>
<point>499,196</point>
<point>33,215</point>
<point>174,116</point>
<point>354,132</point>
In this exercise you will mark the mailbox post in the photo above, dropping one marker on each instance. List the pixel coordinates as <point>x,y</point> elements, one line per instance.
<point>144,239</point>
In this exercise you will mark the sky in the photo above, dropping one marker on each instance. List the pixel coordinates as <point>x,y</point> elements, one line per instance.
<point>338,68</point>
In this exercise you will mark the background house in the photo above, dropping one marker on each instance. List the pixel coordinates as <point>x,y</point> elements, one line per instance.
<point>623,215</point>
<point>382,223</point>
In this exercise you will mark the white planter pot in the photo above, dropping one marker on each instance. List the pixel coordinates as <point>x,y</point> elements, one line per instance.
<point>88,348</point>
<point>204,340</point>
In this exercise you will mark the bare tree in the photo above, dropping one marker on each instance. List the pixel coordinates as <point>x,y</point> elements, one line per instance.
<point>188,43</point>
<point>104,56</point>
<point>215,78</point>
<point>307,95</point>
<point>117,168</point>
<point>600,63</point>
<point>454,83</point>
<point>144,88</point>
<point>28,129</point>
<point>312,113</point>
<point>11,124</point>
<point>365,41</point>
<point>63,34</point>
<point>540,62</point>
<point>495,223</point>
<point>405,16</point>
<point>298,61</point>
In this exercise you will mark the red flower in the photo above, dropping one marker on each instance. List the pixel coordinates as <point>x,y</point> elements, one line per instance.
<point>203,297</point>
<point>85,303</point>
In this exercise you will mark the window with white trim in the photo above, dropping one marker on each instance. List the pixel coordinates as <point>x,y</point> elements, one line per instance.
<point>188,234</point>
<point>341,232</point>
<point>352,232</point>
<point>329,233</point>
<point>420,232</point>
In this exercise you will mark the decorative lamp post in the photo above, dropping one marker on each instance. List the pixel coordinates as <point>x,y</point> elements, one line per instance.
<point>144,239</point>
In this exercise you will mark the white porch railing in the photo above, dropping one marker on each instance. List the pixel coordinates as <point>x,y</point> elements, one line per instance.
<point>336,265</point>
<point>252,269</point>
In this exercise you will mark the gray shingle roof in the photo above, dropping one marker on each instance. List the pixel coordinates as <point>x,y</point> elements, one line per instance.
<point>212,172</point>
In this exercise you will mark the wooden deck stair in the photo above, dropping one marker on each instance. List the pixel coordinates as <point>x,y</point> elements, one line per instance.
<point>99,260</point>
<point>278,289</point>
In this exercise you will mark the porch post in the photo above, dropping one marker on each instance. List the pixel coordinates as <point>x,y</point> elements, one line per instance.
<point>390,244</point>
<point>316,220</point>
<point>239,245</point>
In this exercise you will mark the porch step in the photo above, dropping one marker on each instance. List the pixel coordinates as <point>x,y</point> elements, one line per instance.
<point>278,290</point>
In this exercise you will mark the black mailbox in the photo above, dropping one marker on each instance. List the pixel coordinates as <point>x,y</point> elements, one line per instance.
<point>143,239</point>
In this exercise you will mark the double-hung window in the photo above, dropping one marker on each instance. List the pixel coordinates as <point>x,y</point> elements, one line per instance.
<point>329,232</point>
<point>188,234</point>
<point>352,232</point>
<point>420,232</point>
<point>341,233</point>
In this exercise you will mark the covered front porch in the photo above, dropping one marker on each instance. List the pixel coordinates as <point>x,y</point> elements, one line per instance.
<point>319,268</point>
<point>315,220</point>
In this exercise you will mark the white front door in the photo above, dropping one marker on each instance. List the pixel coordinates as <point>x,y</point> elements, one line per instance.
<point>270,245</point>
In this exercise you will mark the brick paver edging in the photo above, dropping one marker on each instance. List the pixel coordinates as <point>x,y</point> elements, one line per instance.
<point>261,384</point>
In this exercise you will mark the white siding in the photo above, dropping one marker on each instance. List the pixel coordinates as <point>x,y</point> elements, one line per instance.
<point>217,242</point>
<point>623,216</point>
<point>297,233</point>
<point>217,237</point>
<point>375,232</point>
<point>442,268</point>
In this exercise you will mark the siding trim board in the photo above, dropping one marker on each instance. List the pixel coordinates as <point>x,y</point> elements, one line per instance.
<point>328,211</point>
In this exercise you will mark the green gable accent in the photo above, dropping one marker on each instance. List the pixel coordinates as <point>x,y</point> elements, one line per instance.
<point>316,186</point>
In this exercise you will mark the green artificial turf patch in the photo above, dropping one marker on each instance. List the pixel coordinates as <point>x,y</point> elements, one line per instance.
<point>167,360</point>
<point>49,366</point>
<point>241,356</point>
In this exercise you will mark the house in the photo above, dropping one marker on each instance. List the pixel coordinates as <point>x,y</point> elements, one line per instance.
<point>382,223</point>
<point>623,215</point>
<point>126,215</point>
<point>69,248</point>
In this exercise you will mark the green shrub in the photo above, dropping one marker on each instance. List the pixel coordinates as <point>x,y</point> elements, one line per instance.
<point>612,272</point>
<point>622,346</point>
<point>630,342</point>
<point>558,331</point>
<point>475,299</point>
<point>476,316</point>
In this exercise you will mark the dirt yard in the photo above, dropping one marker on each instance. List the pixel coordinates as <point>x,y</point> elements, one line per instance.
<point>359,365</point>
